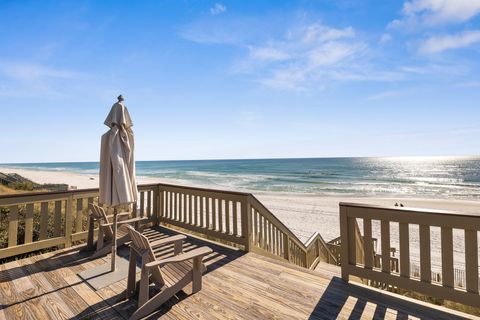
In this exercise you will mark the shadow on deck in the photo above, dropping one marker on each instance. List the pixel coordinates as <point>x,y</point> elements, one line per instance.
<point>236,286</point>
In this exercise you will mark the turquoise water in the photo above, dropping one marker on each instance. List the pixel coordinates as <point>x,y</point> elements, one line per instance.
<point>440,177</point>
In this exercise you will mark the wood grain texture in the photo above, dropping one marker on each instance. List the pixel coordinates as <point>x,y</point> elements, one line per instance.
<point>237,285</point>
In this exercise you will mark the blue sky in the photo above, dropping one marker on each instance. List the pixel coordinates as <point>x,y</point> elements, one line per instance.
<point>241,79</point>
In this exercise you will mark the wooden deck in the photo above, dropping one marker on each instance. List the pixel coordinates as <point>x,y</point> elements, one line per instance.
<point>236,286</point>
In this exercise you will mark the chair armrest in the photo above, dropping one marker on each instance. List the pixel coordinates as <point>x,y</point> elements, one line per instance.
<point>120,214</point>
<point>196,253</point>
<point>106,224</point>
<point>132,220</point>
<point>172,239</point>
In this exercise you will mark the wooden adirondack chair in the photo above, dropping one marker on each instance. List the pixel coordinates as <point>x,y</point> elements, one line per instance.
<point>105,231</point>
<point>169,275</point>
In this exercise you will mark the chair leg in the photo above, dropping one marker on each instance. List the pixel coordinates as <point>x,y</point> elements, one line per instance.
<point>197,274</point>
<point>144,283</point>
<point>153,304</point>
<point>100,239</point>
<point>91,227</point>
<point>131,283</point>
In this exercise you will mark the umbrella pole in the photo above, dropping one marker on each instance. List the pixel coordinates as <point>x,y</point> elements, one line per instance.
<point>114,241</point>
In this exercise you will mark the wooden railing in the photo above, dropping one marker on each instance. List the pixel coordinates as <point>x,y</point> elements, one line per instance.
<point>269,235</point>
<point>405,217</point>
<point>60,219</point>
<point>35,221</point>
<point>213,213</point>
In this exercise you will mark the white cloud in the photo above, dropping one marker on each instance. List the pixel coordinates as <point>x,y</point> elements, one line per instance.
<point>31,71</point>
<point>436,12</point>
<point>267,53</point>
<point>386,37</point>
<point>218,8</point>
<point>438,44</point>
<point>304,58</point>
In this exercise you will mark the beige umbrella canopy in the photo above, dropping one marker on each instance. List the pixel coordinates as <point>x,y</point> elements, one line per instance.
<point>117,165</point>
<point>118,187</point>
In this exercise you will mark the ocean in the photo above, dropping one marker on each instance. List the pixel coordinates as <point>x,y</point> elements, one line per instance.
<point>429,177</point>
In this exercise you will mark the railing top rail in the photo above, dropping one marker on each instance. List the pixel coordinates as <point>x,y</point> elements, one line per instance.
<point>411,209</point>
<point>67,193</point>
<point>204,189</point>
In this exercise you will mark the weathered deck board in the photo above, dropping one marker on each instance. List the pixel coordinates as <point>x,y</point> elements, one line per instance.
<point>236,286</point>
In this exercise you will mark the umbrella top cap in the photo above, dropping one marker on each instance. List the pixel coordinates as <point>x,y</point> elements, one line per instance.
<point>119,115</point>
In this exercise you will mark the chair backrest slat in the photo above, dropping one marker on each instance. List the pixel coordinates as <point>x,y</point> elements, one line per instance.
<point>140,244</point>
<point>100,215</point>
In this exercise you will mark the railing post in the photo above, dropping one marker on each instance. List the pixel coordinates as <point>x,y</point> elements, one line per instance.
<point>246,215</point>
<point>68,221</point>
<point>344,242</point>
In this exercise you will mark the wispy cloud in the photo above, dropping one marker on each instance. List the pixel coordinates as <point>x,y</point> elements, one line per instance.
<point>304,57</point>
<point>386,95</point>
<point>435,12</point>
<point>218,8</point>
<point>32,71</point>
<point>438,44</point>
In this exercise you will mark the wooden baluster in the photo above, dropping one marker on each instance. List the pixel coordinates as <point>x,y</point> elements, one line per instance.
<point>270,237</point>
<point>12,226</point>
<point>274,237</point>
<point>254,226</point>
<point>29,223</point>
<point>190,209</point>
<point>202,213</point>
<point>235,217</point>
<point>220,215</point>
<point>142,204</point>
<point>264,233</point>
<point>258,231</point>
<point>149,204</point>
<point>227,216</point>
<point>368,243</point>
<point>385,229</point>
<point>78,216</point>
<point>175,206</point>
<point>207,220</point>
<point>185,209</point>
<point>212,210</point>
<point>425,260</point>
<point>43,220</point>
<point>447,257</point>
<point>195,210</point>
<point>170,205</point>
<point>471,261</point>
<point>161,204</point>
<point>404,250</point>
<point>286,252</point>
<point>57,220</point>
<point>180,207</point>
<point>352,242</point>
<point>68,221</point>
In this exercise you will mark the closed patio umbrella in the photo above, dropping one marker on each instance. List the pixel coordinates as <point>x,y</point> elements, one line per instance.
<point>118,187</point>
